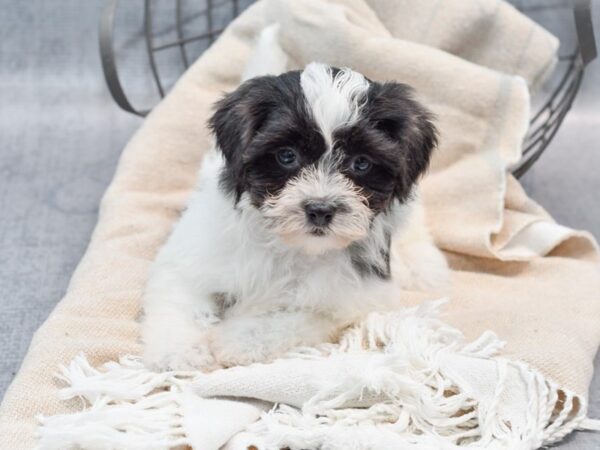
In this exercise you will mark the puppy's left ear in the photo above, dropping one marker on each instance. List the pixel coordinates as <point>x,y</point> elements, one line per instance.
<point>394,111</point>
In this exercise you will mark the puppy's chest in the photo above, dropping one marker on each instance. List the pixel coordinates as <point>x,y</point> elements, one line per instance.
<point>267,278</point>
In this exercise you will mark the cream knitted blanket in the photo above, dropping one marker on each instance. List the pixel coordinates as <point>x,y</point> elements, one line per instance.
<point>411,378</point>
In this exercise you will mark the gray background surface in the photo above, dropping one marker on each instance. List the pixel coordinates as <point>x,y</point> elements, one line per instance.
<point>61,136</point>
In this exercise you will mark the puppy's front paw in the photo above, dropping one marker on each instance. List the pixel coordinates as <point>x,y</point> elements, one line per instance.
<point>229,351</point>
<point>172,348</point>
<point>238,345</point>
<point>180,357</point>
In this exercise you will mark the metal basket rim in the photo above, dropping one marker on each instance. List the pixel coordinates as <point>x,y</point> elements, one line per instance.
<point>535,142</point>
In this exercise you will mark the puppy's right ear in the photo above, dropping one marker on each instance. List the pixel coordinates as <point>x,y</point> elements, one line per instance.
<point>394,111</point>
<point>237,119</point>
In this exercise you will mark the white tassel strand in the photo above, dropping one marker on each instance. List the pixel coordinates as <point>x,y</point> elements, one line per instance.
<point>398,380</point>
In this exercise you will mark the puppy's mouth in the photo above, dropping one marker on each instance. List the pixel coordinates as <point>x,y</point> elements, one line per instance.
<point>318,232</point>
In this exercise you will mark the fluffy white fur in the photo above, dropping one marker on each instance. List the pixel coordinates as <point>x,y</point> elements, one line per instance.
<point>333,100</point>
<point>227,290</point>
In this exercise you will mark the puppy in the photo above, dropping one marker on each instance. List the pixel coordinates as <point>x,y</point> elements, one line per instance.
<point>305,218</point>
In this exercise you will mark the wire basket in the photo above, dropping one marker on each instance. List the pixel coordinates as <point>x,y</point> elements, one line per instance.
<point>174,34</point>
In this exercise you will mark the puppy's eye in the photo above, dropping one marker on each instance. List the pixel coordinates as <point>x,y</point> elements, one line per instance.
<point>287,158</point>
<point>361,165</point>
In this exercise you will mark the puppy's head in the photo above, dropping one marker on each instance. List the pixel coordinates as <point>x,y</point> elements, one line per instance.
<point>321,152</point>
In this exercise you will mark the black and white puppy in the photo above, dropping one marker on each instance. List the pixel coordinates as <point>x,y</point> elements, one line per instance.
<point>306,217</point>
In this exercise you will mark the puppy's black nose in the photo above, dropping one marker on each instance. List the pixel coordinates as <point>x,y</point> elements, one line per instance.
<point>319,214</point>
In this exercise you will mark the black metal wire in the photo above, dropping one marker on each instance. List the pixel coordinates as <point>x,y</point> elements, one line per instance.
<point>178,22</point>
<point>585,30</point>
<point>536,129</point>
<point>190,17</point>
<point>540,136</point>
<point>107,57</point>
<point>209,20</point>
<point>148,22</point>
<point>179,42</point>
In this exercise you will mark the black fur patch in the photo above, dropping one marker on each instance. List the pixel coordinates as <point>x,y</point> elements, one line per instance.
<point>398,134</point>
<point>252,123</point>
<point>366,265</point>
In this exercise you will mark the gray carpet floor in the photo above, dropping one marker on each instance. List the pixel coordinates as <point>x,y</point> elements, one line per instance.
<point>61,136</point>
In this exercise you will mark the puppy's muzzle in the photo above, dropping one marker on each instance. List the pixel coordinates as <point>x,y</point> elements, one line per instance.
<point>319,213</point>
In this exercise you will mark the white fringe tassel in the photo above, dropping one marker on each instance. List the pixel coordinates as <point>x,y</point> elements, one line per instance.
<point>410,400</point>
<point>131,408</point>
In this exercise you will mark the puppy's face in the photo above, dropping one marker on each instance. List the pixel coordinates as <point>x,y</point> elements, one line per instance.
<point>321,152</point>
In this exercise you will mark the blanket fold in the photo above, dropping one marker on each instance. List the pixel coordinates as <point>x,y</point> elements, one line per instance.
<point>433,376</point>
<point>397,380</point>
